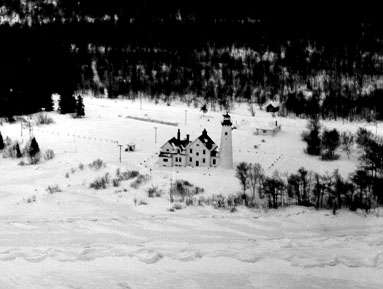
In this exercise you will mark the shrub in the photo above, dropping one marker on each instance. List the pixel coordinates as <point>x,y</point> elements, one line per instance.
<point>154,192</point>
<point>116,182</point>
<point>184,188</point>
<point>49,154</point>
<point>141,179</point>
<point>22,163</point>
<point>53,189</point>
<point>12,151</point>
<point>31,199</point>
<point>81,166</point>
<point>142,203</point>
<point>100,183</point>
<point>97,164</point>
<point>330,142</point>
<point>43,118</point>
<point>177,206</point>
<point>35,159</point>
<point>67,175</point>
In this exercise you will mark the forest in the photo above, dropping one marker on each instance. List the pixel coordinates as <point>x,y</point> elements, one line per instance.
<point>215,54</point>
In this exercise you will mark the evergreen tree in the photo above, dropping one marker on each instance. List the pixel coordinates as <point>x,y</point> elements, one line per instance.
<point>67,103</point>
<point>2,145</point>
<point>33,148</point>
<point>330,142</point>
<point>312,137</point>
<point>18,152</point>
<point>80,111</point>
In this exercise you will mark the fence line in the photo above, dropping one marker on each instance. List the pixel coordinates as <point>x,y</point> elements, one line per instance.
<point>152,120</point>
<point>79,136</point>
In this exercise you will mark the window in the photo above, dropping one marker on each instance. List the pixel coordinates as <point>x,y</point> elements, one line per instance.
<point>191,151</point>
<point>197,154</point>
<point>225,133</point>
<point>197,144</point>
<point>167,150</point>
<point>190,159</point>
<point>165,160</point>
<point>203,160</point>
<point>213,161</point>
<point>204,151</point>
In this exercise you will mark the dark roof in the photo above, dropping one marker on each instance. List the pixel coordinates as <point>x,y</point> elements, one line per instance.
<point>206,140</point>
<point>179,143</point>
<point>226,120</point>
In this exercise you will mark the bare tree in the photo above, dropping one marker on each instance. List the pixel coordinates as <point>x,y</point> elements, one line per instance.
<point>255,176</point>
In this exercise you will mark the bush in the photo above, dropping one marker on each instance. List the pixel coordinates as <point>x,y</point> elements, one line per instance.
<point>184,188</point>
<point>97,164</point>
<point>49,154</point>
<point>142,203</point>
<point>12,151</point>
<point>81,166</point>
<point>35,159</point>
<point>154,192</point>
<point>127,175</point>
<point>177,206</point>
<point>141,179</point>
<point>31,199</point>
<point>43,118</point>
<point>330,142</point>
<point>116,182</point>
<point>54,189</point>
<point>100,183</point>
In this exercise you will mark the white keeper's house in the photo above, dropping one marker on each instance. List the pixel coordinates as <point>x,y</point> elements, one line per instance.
<point>202,152</point>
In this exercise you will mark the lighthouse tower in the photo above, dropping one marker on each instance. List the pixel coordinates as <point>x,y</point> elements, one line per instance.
<point>226,150</point>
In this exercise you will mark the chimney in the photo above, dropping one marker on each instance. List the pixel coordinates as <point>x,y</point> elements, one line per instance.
<point>179,135</point>
<point>204,132</point>
<point>188,138</point>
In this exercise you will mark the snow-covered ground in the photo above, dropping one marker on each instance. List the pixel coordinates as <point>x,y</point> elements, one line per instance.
<point>82,238</point>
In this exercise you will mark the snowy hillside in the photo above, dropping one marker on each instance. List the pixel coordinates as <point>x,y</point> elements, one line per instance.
<point>119,238</point>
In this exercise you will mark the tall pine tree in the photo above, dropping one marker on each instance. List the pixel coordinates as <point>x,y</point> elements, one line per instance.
<point>80,111</point>
<point>1,142</point>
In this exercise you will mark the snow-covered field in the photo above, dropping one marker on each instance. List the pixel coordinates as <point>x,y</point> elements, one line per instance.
<point>82,238</point>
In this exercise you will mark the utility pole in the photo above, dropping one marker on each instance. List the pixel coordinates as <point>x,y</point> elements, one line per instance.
<point>140,101</point>
<point>120,145</point>
<point>155,134</point>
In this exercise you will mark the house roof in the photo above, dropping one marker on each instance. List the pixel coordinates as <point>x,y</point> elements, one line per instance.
<point>181,144</point>
<point>206,140</point>
<point>214,152</point>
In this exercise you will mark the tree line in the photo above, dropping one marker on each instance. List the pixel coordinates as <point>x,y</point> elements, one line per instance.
<point>214,52</point>
<point>363,189</point>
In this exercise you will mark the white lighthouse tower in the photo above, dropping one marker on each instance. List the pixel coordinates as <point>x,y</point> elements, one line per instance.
<point>226,150</point>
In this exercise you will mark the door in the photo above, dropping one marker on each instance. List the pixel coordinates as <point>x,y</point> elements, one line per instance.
<point>197,163</point>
